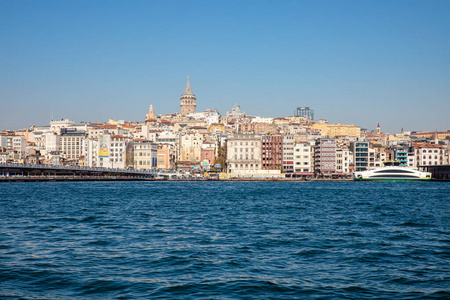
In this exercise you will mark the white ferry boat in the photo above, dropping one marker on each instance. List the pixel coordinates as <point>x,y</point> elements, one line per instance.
<point>392,172</point>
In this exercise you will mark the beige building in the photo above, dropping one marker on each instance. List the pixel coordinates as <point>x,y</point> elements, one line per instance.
<point>71,145</point>
<point>244,152</point>
<point>343,160</point>
<point>190,146</point>
<point>145,154</point>
<point>337,130</point>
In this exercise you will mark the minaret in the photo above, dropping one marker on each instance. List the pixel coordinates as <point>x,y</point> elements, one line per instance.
<point>378,128</point>
<point>188,102</point>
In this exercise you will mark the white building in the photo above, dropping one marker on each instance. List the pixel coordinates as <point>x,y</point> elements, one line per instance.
<point>57,126</point>
<point>52,142</point>
<point>289,141</point>
<point>19,144</point>
<point>117,151</point>
<point>303,158</point>
<point>209,116</point>
<point>90,152</point>
<point>262,120</point>
<point>244,152</point>
<point>427,154</point>
<point>343,161</point>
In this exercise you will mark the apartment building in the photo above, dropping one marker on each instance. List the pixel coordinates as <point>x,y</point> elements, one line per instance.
<point>303,155</point>
<point>272,152</point>
<point>325,157</point>
<point>244,152</point>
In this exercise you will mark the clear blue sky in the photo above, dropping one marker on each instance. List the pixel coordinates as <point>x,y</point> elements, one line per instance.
<point>354,62</point>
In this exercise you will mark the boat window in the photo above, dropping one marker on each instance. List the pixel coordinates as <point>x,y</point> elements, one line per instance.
<point>395,171</point>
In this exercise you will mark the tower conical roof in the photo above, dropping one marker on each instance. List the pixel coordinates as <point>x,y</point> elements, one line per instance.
<point>188,90</point>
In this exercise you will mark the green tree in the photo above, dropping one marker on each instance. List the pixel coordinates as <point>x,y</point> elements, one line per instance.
<point>221,157</point>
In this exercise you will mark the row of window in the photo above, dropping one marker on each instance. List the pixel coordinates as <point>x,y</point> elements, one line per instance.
<point>237,166</point>
<point>242,157</point>
<point>242,149</point>
<point>241,143</point>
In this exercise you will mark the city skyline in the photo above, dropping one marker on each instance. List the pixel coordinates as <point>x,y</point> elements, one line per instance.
<point>352,62</point>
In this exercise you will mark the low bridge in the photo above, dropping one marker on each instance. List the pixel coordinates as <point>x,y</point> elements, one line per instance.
<point>8,169</point>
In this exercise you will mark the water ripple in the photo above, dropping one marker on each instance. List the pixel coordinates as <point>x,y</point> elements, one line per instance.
<point>239,240</point>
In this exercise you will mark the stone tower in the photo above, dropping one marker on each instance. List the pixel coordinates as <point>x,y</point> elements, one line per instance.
<point>150,114</point>
<point>188,102</point>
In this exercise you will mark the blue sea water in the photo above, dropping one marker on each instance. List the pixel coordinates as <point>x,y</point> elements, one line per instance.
<point>225,240</point>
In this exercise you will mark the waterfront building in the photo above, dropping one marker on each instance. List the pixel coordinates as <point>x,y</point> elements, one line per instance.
<point>289,141</point>
<point>90,152</point>
<point>243,152</point>
<point>343,161</point>
<point>188,102</point>
<point>401,155</point>
<point>19,145</point>
<point>303,164</point>
<point>145,154</point>
<point>118,149</point>
<point>207,155</point>
<point>305,112</point>
<point>325,157</point>
<point>272,152</point>
<point>164,157</point>
<point>360,151</point>
<point>428,154</point>
<point>71,145</point>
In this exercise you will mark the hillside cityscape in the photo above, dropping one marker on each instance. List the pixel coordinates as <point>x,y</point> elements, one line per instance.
<point>236,144</point>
